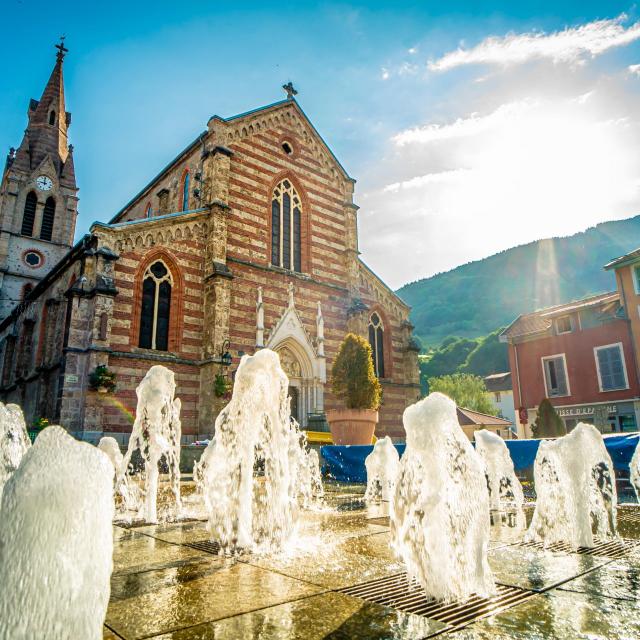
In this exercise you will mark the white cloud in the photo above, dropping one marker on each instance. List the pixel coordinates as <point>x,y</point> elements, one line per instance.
<point>462,127</point>
<point>385,73</point>
<point>572,45</point>
<point>634,69</point>
<point>528,169</point>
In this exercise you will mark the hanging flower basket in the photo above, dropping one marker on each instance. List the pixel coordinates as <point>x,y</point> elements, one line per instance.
<point>102,380</point>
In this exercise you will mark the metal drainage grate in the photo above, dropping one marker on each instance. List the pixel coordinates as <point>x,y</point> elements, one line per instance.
<point>384,521</point>
<point>351,505</point>
<point>629,514</point>
<point>401,594</point>
<point>604,548</point>
<point>208,546</point>
<point>136,524</point>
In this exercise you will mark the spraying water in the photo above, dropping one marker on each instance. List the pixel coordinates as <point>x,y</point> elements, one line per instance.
<point>382,469</point>
<point>57,542</point>
<point>634,469</point>
<point>156,433</point>
<point>440,511</point>
<point>309,485</point>
<point>505,489</point>
<point>111,447</point>
<point>14,440</point>
<point>255,429</point>
<point>575,487</point>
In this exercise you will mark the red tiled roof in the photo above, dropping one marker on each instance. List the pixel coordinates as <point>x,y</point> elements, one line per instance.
<point>498,382</point>
<point>469,417</point>
<point>541,320</point>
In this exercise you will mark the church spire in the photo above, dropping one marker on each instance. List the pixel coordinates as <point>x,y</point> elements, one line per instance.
<point>49,121</point>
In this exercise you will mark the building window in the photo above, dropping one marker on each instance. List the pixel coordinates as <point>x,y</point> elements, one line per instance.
<point>26,290</point>
<point>29,215</point>
<point>25,351</point>
<point>185,192</point>
<point>149,211</point>
<point>376,340</point>
<point>7,365</point>
<point>555,376</point>
<point>156,305</point>
<point>612,372</point>
<point>52,117</point>
<point>48,216</point>
<point>636,278</point>
<point>286,215</point>
<point>287,148</point>
<point>33,259</point>
<point>564,324</point>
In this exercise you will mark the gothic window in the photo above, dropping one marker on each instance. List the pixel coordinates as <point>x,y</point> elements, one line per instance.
<point>185,192</point>
<point>29,214</point>
<point>149,211</point>
<point>25,351</point>
<point>156,304</point>
<point>9,349</point>
<point>376,340</point>
<point>286,213</point>
<point>48,216</point>
<point>52,117</point>
<point>26,290</point>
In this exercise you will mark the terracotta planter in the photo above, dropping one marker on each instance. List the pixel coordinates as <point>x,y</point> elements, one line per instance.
<point>352,426</point>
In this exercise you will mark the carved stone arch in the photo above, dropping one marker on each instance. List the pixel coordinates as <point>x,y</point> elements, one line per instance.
<point>178,234</point>
<point>294,360</point>
<point>187,233</point>
<point>148,240</point>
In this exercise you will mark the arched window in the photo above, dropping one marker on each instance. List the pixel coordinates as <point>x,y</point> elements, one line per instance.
<point>52,117</point>
<point>376,340</point>
<point>29,214</point>
<point>286,214</point>
<point>149,211</point>
<point>48,216</point>
<point>156,305</point>
<point>185,192</point>
<point>26,290</point>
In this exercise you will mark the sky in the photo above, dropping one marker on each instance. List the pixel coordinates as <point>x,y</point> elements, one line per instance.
<point>470,127</point>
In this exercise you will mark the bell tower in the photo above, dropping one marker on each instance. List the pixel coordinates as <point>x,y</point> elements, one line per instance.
<point>38,194</point>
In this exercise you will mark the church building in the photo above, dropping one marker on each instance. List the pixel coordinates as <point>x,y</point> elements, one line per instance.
<point>247,239</point>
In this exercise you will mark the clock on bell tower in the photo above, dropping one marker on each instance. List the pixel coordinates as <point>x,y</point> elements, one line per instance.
<point>38,194</point>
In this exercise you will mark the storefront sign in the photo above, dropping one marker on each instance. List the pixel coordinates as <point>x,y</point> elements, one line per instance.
<point>583,411</point>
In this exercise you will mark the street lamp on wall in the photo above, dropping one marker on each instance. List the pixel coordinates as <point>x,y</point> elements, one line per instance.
<point>225,356</point>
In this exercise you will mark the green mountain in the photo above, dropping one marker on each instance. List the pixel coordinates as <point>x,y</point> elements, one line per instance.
<point>474,299</point>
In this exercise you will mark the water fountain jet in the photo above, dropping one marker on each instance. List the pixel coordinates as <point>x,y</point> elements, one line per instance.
<point>440,510</point>
<point>382,469</point>
<point>56,541</point>
<point>575,487</point>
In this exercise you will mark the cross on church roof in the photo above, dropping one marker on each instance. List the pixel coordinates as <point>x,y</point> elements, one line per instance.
<point>290,89</point>
<point>61,48</point>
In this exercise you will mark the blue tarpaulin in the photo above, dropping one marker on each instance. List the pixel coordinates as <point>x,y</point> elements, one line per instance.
<point>346,463</point>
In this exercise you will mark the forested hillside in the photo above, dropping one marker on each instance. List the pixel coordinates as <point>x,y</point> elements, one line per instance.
<point>475,298</point>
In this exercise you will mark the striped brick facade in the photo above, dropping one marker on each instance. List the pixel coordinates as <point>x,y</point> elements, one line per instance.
<point>218,250</point>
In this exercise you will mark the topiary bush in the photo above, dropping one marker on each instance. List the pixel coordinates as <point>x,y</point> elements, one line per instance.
<point>548,424</point>
<point>353,379</point>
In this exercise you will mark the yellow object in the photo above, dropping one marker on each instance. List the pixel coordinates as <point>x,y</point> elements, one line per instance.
<point>324,437</point>
<point>319,437</point>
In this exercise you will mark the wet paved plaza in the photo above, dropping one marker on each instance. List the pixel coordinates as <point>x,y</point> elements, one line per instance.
<point>340,580</point>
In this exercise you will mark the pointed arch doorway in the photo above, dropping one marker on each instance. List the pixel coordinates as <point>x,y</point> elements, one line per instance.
<point>305,390</point>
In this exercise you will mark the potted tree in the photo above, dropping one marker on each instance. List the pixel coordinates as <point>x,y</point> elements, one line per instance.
<point>354,383</point>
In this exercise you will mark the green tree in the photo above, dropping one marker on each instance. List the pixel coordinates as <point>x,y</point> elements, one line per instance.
<point>548,424</point>
<point>465,390</point>
<point>490,356</point>
<point>353,379</point>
